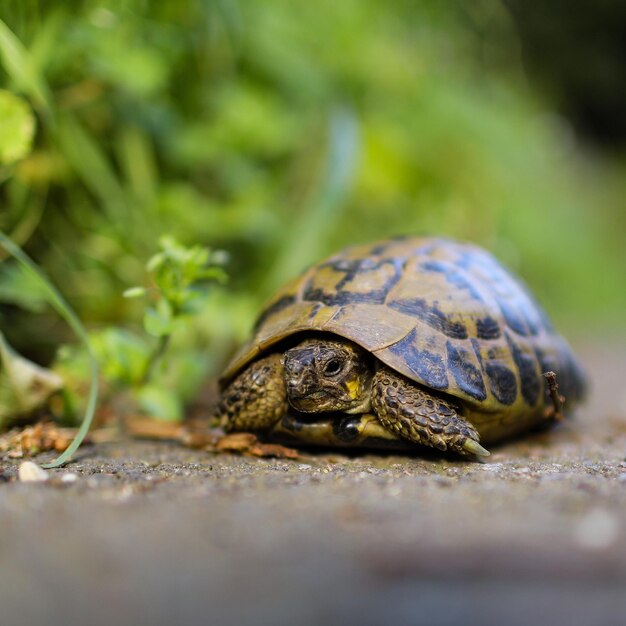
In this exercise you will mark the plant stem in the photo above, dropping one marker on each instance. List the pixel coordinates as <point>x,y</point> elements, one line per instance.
<point>154,358</point>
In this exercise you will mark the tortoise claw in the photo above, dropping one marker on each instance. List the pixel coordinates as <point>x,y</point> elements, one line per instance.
<point>473,447</point>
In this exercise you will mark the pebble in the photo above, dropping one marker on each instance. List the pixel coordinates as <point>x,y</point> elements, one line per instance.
<point>492,467</point>
<point>69,478</point>
<point>30,472</point>
<point>393,491</point>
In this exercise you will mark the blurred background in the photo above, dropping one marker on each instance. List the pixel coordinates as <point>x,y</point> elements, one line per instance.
<point>279,131</point>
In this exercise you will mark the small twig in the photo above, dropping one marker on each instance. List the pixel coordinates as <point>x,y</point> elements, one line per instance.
<point>555,412</point>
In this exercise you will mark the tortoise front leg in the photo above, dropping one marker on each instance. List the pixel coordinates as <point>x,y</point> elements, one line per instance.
<point>256,399</point>
<point>413,413</point>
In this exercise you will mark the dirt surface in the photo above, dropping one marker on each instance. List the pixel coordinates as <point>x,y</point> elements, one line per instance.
<point>154,533</point>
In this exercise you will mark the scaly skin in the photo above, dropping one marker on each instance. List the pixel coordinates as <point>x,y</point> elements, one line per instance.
<point>257,398</point>
<point>414,414</point>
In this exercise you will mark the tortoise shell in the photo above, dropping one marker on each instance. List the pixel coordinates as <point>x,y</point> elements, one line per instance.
<point>445,314</point>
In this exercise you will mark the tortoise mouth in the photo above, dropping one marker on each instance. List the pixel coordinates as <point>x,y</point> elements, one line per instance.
<point>308,403</point>
<point>315,416</point>
<point>319,402</point>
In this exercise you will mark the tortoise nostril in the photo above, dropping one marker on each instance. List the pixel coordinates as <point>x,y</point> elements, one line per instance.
<point>293,369</point>
<point>294,383</point>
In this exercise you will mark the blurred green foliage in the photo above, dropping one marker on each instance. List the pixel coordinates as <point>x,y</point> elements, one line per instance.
<point>280,131</point>
<point>181,277</point>
<point>16,128</point>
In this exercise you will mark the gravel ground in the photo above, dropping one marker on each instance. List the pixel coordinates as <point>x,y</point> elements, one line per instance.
<point>145,532</point>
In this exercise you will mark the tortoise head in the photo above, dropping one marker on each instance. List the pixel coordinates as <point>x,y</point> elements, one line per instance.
<point>328,375</point>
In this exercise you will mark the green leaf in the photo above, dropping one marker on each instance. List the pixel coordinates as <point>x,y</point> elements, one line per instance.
<point>213,273</point>
<point>135,292</point>
<point>122,354</point>
<point>20,66</point>
<point>158,322</point>
<point>17,128</point>
<point>20,287</point>
<point>155,262</point>
<point>161,403</point>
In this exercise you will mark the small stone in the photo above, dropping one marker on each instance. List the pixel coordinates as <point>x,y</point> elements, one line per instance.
<point>492,467</point>
<point>30,472</point>
<point>69,478</point>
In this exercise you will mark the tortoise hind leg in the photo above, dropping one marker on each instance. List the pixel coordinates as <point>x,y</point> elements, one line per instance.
<point>414,414</point>
<point>256,399</point>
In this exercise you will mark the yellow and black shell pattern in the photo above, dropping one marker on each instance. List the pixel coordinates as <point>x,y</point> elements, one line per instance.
<point>445,314</point>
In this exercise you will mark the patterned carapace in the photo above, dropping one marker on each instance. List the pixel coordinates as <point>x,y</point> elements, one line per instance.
<point>445,314</point>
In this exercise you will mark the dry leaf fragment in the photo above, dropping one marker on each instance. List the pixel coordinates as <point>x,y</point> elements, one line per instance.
<point>35,439</point>
<point>199,439</point>
<point>236,442</point>
<point>275,450</point>
<point>148,428</point>
<point>247,443</point>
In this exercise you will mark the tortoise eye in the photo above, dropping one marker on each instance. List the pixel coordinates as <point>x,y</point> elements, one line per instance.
<point>332,367</point>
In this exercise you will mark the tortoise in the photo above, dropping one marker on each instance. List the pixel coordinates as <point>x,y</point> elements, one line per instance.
<point>405,341</point>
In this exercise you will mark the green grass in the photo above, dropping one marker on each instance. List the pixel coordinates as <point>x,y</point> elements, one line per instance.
<point>59,304</point>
